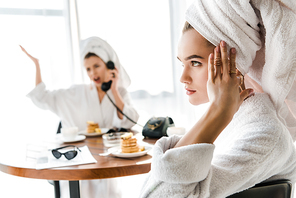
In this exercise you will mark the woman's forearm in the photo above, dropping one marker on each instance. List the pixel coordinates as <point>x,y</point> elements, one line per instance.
<point>207,129</point>
<point>38,74</point>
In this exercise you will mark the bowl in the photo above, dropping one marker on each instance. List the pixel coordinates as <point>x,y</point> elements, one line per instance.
<point>175,131</point>
<point>112,139</point>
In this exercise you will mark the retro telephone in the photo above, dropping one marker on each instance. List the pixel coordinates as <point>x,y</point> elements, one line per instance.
<point>106,86</point>
<point>156,127</point>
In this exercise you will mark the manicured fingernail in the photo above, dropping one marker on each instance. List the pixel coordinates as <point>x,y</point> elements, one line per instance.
<point>211,56</point>
<point>223,43</point>
<point>233,50</point>
<point>218,49</point>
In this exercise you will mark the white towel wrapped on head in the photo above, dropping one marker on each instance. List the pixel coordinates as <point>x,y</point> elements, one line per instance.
<point>264,35</point>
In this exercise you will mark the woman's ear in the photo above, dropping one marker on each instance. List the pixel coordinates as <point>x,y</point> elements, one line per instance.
<point>250,83</point>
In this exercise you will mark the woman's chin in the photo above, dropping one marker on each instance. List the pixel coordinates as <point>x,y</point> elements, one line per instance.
<point>98,85</point>
<point>197,101</point>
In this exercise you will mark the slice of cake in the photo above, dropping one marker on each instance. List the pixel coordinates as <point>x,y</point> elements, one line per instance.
<point>92,126</point>
<point>129,144</point>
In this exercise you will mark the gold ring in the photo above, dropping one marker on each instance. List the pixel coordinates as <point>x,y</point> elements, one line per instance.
<point>232,72</point>
<point>241,80</point>
<point>217,62</point>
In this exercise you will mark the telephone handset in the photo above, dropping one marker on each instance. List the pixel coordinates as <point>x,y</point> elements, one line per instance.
<point>106,86</point>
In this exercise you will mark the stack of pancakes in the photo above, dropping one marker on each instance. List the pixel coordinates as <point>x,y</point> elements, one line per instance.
<point>92,126</point>
<point>129,144</point>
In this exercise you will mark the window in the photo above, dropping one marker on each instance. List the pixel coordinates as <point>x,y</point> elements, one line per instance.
<point>40,27</point>
<point>139,31</point>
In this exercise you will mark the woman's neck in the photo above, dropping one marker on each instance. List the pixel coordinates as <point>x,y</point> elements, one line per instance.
<point>101,93</point>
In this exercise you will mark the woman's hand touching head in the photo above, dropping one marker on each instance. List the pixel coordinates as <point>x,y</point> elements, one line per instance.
<point>224,81</point>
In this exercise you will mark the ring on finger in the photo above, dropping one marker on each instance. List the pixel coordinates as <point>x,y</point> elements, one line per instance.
<point>241,79</point>
<point>217,62</point>
<point>232,72</point>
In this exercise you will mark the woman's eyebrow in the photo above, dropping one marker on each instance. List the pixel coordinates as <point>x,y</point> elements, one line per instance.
<point>194,56</point>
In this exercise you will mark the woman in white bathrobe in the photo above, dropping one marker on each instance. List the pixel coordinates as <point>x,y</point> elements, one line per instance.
<point>246,136</point>
<point>81,103</point>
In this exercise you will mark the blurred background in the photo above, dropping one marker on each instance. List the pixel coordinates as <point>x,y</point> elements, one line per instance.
<point>145,35</point>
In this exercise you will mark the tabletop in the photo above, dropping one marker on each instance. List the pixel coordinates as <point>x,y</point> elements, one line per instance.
<point>106,166</point>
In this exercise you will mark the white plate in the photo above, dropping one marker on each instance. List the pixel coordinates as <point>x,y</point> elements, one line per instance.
<point>116,151</point>
<point>84,132</point>
<point>77,139</point>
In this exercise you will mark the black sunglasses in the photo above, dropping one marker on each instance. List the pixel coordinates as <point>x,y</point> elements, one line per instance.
<point>69,154</point>
<point>117,130</point>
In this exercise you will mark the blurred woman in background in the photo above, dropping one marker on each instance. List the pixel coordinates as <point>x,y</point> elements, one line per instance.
<point>81,103</point>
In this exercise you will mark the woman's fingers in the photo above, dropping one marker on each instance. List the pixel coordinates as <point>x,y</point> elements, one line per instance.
<point>224,62</point>
<point>217,62</point>
<point>35,60</point>
<point>232,66</point>
<point>211,68</point>
<point>224,58</point>
<point>232,57</point>
<point>23,49</point>
<point>244,94</point>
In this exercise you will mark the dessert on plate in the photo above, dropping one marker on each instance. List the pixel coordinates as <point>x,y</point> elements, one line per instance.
<point>93,127</point>
<point>129,144</point>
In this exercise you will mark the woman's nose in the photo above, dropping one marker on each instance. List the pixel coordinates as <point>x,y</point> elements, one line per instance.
<point>92,72</point>
<point>185,77</point>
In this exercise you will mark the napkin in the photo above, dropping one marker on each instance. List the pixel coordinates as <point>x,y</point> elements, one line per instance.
<point>47,160</point>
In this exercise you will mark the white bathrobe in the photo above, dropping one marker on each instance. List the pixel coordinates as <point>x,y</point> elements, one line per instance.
<point>77,105</point>
<point>254,147</point>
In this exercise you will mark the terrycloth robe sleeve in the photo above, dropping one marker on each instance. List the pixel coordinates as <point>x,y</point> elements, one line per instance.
<point>52,100</point>
<point>192,171</point>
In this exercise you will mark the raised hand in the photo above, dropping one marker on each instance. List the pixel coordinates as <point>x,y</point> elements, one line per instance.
<point>225,85</point>
<point>35,60</point>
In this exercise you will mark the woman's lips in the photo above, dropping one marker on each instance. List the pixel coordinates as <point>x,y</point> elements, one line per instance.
<point>190,91</point>
<point>97,80</point>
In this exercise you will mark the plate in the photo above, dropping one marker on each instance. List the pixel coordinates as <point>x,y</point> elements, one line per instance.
<point>84,132</point>
<point>77,139</point>
<point>116,151</point>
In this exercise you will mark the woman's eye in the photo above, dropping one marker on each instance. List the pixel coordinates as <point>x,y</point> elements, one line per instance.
<point>88,69</point>
<point>96,66</point>
<point>195,63</point>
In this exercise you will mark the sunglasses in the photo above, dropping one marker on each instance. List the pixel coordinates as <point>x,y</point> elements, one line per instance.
<point>69,154</point>
<point>117,130</point>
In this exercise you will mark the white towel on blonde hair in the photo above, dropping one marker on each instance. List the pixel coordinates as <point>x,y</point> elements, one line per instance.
<point>103,50</point>
<point>263,33</point>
